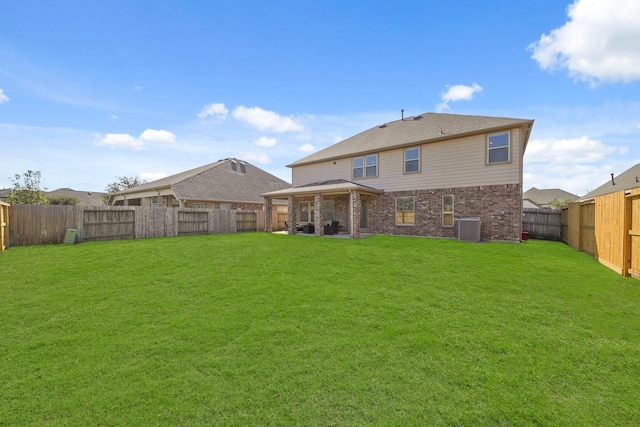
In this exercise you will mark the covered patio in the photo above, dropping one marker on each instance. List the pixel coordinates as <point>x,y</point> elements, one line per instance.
<point>316,205</point>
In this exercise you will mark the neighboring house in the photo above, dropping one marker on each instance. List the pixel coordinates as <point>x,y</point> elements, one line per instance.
<point>85,198</point>
<point>540,199</point>
<point>225,184</point>
<point>417,176</point>
<point>627,180</point>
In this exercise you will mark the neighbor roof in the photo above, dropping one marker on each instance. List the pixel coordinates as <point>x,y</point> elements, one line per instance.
<point>543,197</point>
<point>225,180</point>
<point>625,181</point>
<point>427,127</point>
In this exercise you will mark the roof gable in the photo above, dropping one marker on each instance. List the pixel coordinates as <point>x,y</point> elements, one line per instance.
<point>428,127</point>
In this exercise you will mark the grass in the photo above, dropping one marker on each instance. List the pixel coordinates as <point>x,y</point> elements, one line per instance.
<point>259,329</point>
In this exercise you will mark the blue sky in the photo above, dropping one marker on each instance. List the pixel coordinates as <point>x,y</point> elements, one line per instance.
<point>94,90</point>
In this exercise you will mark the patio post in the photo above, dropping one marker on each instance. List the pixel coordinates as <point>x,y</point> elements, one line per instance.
<point>292,206</point>
<point>268,215</point>
<point>318,206</point>
<point>354,211</point>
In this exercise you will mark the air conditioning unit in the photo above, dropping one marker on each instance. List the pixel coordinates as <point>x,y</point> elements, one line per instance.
<point>469,229</point>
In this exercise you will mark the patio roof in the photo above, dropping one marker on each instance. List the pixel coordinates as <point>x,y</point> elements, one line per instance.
<point>336,186</point>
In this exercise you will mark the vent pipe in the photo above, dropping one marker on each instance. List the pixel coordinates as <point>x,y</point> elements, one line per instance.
<point>402,112</point>
<point>612,181</point>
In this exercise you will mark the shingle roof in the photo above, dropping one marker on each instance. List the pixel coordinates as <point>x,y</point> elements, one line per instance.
<point>625,181</point>
<point>543,197</point>
<point>218,181</point>
<point>427,127</point>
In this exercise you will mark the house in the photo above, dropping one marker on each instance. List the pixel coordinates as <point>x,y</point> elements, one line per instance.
<point>540,199</point>
<point>85,198</point>
<point>605,223</point>
<point>225,184</point>
<point>417,176</point>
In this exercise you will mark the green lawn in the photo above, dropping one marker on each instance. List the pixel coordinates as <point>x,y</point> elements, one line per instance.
<point>259,329</point>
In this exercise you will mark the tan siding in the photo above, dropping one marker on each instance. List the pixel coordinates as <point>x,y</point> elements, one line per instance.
<point>447,164</point>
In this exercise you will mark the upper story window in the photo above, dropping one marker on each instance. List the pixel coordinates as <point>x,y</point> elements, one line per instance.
<point>365,166</point>
<point>412,160</point>
<point>498,148</point>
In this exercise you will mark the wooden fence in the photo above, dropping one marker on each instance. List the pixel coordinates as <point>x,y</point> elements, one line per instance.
<point>47,224</point>
<point>4,226</point>
<point>608,228</point>
<point>543,224</point>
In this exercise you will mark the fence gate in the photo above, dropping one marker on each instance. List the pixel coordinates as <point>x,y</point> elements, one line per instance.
<point>588,228</point>
<point>634,236</point>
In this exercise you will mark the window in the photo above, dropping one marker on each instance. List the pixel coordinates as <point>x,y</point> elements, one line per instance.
<point>329,210</point>
<point>197,205</point>
<point>412,160</point>
<point>404,211</point>
<point>306,212</point>
<point>225,206</point>
<point>498,148</point>
<point>366,166</point>
<point>447,210</point>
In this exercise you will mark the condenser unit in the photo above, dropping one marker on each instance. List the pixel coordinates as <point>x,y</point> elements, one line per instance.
<point>469,229</point>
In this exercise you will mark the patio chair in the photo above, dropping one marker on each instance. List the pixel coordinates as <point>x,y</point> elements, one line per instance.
<point>334,227</point>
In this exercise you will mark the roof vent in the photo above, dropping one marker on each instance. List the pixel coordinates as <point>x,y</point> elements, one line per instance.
<point>418,117</point>
<point>234,165</point>
<point>243,167</point>
<point>382,126</point>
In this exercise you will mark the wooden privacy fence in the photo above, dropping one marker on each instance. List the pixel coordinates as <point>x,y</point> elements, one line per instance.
<point>4,226</point>
<point>607,227</point>
<point>543,224</point>
<point>47,224</point>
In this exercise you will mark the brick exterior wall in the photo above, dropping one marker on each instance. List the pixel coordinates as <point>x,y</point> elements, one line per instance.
<point>485,202</point>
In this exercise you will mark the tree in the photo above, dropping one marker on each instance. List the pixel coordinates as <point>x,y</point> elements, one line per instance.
<point>62,199</point>
<point>559,204</point>
<point>122,183</point>
<point>28,193</point>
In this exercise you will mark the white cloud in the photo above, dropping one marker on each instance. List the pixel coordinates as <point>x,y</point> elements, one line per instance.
<point>568,151</point>
<point>152,176</point>
<point>577,165</point>
<point>600,42</point>
<point>256,157</point>
<point>216,111</point>
<point>159,136</point>
<point>137,87</point>
<point>306,148</point>
<point>266,120</point>
<point>114,117</point>
<point>457,93</point>
<point>266,142</point>
<point>120,140</point>
<point>3,98</point>
<point>124,140</point>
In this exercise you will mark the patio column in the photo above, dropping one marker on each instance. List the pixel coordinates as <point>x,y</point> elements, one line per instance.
<point>268,215</point>
<point>292,205</point>
<point>318,206</point>
<point>354,211</point>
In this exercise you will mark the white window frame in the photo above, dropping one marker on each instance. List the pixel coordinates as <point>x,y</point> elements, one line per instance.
<point>413,211</point>
<point>310,211</point>
<point>445,212</point>
<point>362,165</point>
<point>416,159</point>
<point>495,149</point>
